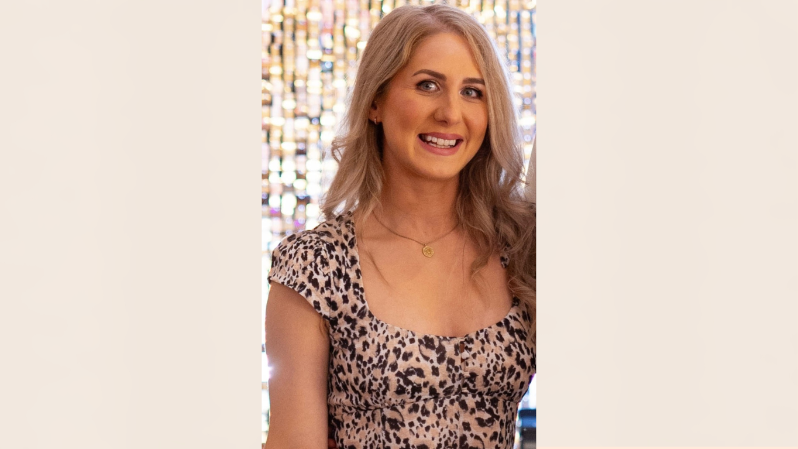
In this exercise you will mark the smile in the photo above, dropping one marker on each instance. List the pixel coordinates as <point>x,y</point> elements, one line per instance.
<point>439,142</point>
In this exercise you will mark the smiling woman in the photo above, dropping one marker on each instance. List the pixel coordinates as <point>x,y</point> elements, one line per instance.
<point>407,318</point>
<point>434,113</point>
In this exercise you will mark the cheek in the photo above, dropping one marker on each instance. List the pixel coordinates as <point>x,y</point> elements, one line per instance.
<point>479,123</point>
<point>484,126</point>
<point>404,120</point>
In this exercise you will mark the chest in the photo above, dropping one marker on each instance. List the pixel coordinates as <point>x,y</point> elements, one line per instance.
<point>437,296</point>
<point>401,332</point>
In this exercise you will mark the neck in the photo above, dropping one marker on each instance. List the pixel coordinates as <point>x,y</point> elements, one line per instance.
<point>423,208</point>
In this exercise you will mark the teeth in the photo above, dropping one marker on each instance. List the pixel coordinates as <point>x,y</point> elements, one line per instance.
<point>438,142</point>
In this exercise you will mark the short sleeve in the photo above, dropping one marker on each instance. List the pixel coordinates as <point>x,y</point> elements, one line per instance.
<point>301,263</point>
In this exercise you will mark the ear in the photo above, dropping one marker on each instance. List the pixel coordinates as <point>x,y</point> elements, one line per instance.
<point>374,113</point>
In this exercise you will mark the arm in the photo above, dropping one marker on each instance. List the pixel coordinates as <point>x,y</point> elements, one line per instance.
<point>297,345</point>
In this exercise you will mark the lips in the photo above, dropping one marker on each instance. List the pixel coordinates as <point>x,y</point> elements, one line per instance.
<point>439,143</point>
<point>440,140</point>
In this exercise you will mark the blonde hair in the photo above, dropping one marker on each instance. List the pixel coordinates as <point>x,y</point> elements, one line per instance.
<point>490,201</point>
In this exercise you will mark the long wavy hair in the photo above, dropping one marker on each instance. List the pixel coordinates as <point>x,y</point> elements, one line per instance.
<point>490,201</point>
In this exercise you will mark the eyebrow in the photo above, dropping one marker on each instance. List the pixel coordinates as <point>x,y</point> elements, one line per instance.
<point>442,77</point>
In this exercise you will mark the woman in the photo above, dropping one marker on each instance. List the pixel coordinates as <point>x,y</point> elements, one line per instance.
<point>407,318</point>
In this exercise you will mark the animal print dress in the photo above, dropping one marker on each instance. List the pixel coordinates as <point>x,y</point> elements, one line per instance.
<point>392,388</point>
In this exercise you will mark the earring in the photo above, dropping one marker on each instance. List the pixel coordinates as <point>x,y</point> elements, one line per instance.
<point>375,121</point>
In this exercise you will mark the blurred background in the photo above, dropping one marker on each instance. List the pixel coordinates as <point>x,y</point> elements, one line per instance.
<point>309,61</point>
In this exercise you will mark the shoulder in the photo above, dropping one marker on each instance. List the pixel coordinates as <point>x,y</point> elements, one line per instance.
<point>310,261</point>
<point>326,241</point>
<point>315,254</point>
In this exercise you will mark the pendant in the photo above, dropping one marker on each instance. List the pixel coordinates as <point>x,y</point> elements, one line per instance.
<point>427,251</point>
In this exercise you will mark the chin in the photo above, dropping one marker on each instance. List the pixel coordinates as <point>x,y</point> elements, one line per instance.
<point>442,174</point>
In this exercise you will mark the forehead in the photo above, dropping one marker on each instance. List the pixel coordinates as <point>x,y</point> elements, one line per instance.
<point>445,53</point>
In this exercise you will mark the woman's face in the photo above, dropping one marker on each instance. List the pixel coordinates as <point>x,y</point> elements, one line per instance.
<point>434,114</point>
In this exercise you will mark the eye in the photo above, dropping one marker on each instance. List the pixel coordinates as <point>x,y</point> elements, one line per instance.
<point>472,92</point>
<point>427,86</point>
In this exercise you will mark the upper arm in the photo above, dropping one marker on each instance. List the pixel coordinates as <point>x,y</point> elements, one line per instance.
<point>297,345</point>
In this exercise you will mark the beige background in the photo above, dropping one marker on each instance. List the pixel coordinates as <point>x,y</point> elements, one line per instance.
<point>668,216</point>
<point>130,234</point>
<point>130,231</point>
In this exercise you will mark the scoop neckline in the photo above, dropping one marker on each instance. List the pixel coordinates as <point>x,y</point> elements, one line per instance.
<point>349,224</point>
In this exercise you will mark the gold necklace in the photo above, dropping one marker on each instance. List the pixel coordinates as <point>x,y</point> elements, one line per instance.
<point>426,250</point>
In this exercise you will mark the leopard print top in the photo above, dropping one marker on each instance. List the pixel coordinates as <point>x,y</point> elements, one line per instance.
<point>392,388</point>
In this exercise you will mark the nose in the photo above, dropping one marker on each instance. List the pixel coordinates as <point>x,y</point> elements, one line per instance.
<point>448,110</point>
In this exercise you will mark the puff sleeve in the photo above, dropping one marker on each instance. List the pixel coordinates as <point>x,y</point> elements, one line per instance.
<point>301,263</point>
